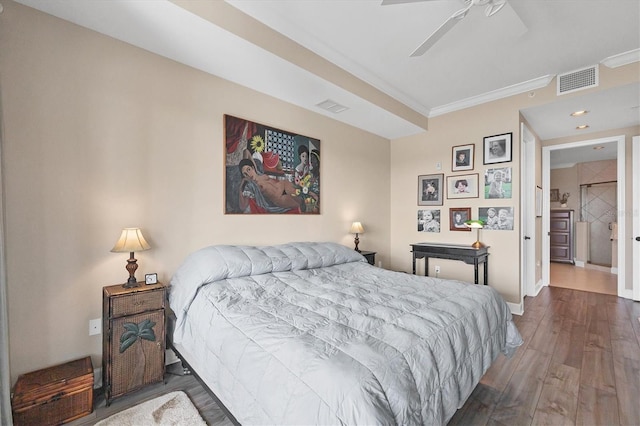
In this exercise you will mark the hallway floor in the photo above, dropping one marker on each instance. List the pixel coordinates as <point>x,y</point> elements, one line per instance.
<point>586,279</point>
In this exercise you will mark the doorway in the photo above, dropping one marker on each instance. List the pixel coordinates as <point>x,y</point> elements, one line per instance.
<point>547,151</point>
<point>598,207</point>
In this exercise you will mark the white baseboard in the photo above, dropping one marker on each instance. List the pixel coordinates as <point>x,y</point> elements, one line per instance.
<point>579,263</point>
<point>538,287</point>
<point>516,308</point>
<point>614,271</point>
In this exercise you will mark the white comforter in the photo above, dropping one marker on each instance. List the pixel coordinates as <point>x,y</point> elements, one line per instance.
<point>309,333</point>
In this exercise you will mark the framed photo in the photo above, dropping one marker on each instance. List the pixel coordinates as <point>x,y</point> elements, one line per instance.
<point>462,158</point>
<point>428,220</point>
<point>462,186</point>
<point>430,189</point>
<point>497,148</point>
<point>554,195</point>
<point>538,201</point>
<point>497,218</point>
<point>151,278</point>
<point>497,183</point>
<point>457,217</point>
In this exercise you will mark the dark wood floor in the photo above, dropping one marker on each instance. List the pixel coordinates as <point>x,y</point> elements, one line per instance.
<point>209,410</point>
<point>579,365</point>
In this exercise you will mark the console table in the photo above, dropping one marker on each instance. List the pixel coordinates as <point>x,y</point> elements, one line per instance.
<point>467,254</point>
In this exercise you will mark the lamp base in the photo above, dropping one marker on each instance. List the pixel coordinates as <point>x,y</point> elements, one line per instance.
<point>477,244</point>
<point>132,265</point>
<point>130,284</point>
<point>357,241</point>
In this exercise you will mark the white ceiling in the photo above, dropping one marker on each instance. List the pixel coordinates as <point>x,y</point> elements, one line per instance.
<point>517,50</point>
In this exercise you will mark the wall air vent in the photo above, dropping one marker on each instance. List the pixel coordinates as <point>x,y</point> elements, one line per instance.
<point>332,106</point>
<point>578,80</point>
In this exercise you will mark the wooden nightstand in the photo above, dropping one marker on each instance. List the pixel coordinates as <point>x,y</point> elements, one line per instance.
<point>370,256</point>
<point>133,343</point>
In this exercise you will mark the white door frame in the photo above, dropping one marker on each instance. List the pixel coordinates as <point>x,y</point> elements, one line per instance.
<point>528,214</point>
<point>636,217</point>
<point>621,163</point>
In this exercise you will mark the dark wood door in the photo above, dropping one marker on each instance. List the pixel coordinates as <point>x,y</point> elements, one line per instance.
<point>561,236</point>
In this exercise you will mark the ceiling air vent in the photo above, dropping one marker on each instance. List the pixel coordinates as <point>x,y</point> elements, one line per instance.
<point>578,80</point>
<point>332,106</point>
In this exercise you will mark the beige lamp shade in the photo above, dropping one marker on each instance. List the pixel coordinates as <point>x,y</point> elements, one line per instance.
<point>131,240</point>
<point>356,228</point>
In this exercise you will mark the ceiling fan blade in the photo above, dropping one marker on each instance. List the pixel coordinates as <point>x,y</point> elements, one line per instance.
<point>441,31</point>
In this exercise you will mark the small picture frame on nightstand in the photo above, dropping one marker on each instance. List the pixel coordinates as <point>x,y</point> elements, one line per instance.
<point>151,279</point>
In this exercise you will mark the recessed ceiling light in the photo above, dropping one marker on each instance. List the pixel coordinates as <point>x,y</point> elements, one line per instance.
<point>582,127</point>
<point>598,148</point>
<point>579,113</point>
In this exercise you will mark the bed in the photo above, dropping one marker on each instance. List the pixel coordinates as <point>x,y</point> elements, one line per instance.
<point>310,333</point>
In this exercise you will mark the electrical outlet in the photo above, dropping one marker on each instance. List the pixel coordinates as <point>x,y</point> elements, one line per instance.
<point>437,269</point>
<point>95,326</point>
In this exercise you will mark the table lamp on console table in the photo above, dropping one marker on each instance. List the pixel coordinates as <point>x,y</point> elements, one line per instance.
<point>477,225</point>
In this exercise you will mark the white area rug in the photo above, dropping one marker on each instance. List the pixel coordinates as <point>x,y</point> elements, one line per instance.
<point>174,408</point>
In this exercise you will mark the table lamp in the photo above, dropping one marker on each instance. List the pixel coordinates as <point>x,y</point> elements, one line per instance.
<point>356,228</point>
<point>477,225</point>
<point>131,240</point>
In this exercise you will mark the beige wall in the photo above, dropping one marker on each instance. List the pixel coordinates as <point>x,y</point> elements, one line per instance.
<point>566,180</point>
<point>99,135</point>
<point>418,155</point>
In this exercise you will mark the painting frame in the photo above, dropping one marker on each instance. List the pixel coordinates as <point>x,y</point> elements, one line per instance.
<point>497,148</point>
<point>465,163</point>
<point>430,188</point>
<point>462,186</point>
<point>459,225</point>
<point>269,170</point>
<point>538,201</point>
<point>554,194</point>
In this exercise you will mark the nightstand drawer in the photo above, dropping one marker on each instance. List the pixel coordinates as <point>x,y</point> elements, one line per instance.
<point>136,303</point>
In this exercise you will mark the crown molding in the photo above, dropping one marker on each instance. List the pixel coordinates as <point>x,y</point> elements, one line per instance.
<point>505,92</point>
<point>621,59</point>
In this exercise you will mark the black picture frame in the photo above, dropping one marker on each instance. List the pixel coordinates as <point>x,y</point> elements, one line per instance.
<point>497,148</point>
<point>430,189</point>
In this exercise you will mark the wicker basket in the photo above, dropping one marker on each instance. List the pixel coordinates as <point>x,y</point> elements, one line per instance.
<point>54,395</point>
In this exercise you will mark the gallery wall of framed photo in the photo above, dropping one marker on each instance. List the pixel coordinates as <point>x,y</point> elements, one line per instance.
<point>492,182</point>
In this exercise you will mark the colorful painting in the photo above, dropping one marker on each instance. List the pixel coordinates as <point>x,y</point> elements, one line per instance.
<point>270,171</point>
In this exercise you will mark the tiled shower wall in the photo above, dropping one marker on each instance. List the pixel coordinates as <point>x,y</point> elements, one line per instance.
<point>598,206</point>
